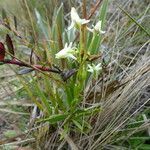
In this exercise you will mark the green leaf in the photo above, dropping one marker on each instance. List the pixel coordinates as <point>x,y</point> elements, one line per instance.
<point>88,111</point>
<point>54,118</point>
<point>3,30</point>
<point>41,24</point>
<point>144,147</point>
<point>42,96</point>
<point>69,94</point>
<point>10,133</point>
<point>78,125</point>
<point>96,40</point>
<point>5,18</point>
<point>4,15</point>
<point>94,46</point>
<point>27,87</point>
<point>103,12</point>
<point>7,110</point>
<point>58,28</point>
<point>139,138</point>
<point>60,19</point>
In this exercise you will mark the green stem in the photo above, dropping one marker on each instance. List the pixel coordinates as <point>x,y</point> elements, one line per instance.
<point>91,44</point>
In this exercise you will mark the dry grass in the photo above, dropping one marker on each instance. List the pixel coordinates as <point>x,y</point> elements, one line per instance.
<point>119,91</point>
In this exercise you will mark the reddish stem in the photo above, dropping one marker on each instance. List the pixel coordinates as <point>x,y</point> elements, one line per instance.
<point>94,9</point>
<point>40,67</point>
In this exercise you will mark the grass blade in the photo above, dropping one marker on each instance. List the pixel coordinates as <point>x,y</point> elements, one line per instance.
<point>140,26</point>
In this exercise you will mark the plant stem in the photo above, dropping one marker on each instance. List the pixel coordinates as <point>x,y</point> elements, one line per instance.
<point>35,67</point>
<point>94,9</point>
<point>84,8</point>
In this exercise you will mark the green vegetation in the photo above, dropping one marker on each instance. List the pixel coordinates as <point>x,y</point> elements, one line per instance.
<point>84,70</point>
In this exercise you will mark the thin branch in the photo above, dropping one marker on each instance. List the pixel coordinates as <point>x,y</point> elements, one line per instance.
<point>84,9</point>
<point>95,8</point>
<point>35,67</point>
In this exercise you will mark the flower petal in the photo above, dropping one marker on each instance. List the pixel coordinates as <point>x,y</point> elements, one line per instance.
<point>71,56</point>
<point>84,21</point>
<point>67,52</point>
<point>97,28</point>
<point>91,30</point>
<point>76,20</point>
<point>102,32</point>
<point>74,14</point>
<point>71,26</point>
<point>98,25</point>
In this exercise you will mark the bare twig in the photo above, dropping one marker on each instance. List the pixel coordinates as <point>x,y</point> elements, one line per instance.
<point>94,9</point>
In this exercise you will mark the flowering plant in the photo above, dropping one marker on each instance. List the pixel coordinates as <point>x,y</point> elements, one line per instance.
<point>68,63</point>
<point>76,20</point>
<point>67,52</point>
<point>97,28</point>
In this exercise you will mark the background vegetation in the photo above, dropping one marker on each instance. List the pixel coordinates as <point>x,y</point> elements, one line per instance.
<point>110,112</point>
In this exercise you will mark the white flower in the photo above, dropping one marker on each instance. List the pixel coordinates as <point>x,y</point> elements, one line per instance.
<point>97,28</point>
<point>94,69</point>
<point>76,20</point>
<point>67,52</point>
